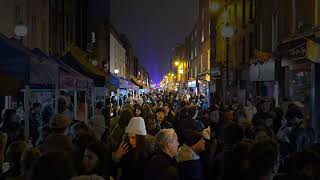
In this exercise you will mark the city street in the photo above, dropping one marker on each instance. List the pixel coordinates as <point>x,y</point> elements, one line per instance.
<point>160,89</point>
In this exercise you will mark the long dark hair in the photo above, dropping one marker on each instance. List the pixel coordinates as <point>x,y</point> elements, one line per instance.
<point>140,151</point>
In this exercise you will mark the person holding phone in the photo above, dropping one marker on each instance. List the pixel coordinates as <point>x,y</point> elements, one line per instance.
<point>132,153</point>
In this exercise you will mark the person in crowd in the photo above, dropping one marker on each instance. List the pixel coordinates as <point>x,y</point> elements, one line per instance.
<point>11,127</point>
<point>205,118</point>
<point>53,166</point>
<point>160,119</point>
<point>134,150</point>
<point>236,166</point>
<point>189,163</point>
<point>169,115</point>
<point>28,159</point>
<point>116,134</point>
<point>13,157</point>
<point>58,140</point>
<point>163,164</point>
<point>94,160</point>
<point>264,160</point>
<point>62,108</point>
<point>45,131</point>
<point>47,112</point>
<point>249,109</point>
<point>97,122</point>
<point>301,134</point>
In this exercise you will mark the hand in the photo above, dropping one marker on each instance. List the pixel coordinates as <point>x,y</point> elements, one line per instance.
<point>122,150</point>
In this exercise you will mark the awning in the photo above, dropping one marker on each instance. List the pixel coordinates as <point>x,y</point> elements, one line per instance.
<point>78,60</point>
<point>20,63</point>
<point>135,81</point>
<point>68,77</point>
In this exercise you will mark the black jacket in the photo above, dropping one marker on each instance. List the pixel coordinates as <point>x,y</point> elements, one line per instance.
<point>161,167</point>
<point>189,164</point>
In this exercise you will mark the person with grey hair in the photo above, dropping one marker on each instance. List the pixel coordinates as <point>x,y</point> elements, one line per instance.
<point>163,164</point>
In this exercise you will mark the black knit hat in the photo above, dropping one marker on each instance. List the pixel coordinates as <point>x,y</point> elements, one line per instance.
<point>191,137</point>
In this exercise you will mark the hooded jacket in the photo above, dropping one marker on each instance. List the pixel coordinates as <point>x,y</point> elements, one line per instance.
<point>189,164</point>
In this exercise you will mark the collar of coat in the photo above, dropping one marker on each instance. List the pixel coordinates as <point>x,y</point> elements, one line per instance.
<point>185,153</point>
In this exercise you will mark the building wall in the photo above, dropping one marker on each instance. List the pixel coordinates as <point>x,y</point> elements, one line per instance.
<point>204,36</point>
<point>117,56</point>
<point>34,14</point>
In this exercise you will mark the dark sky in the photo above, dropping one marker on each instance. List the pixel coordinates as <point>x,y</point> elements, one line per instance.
<point>154,27</point>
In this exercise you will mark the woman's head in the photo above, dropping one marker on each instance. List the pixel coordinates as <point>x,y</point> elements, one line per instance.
<point>93,159</point>
<point>150,123</point>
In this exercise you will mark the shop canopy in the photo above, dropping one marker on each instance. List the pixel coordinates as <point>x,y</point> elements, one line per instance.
<point>68,77</point>
<point>79,60</point>
<point>135,81</point>
<point>22,66</point>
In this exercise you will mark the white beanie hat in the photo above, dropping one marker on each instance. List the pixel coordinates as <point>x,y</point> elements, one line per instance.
<point>137,126</point>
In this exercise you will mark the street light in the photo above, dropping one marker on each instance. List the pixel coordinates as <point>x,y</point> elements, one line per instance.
<point>177,63</point>
<point>214,6</point>
<point>181,71</point>
<point>116,71</point>
<point>20,31</point>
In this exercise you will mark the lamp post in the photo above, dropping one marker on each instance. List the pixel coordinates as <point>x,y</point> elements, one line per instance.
<point>20,31</point>
<point>227,33</point>
<point>116,71</point>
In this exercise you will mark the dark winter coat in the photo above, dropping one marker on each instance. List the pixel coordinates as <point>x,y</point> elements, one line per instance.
<point>300,137</point>
<point>161,167</point>
<point>189,164</point>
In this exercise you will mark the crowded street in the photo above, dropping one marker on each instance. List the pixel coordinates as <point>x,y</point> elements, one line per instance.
<point>159,90</point>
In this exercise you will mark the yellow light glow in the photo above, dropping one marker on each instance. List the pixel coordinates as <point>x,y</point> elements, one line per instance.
<point>177,63</point>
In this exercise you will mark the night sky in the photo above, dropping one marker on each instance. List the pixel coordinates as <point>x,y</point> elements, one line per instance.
<point>154,27</point>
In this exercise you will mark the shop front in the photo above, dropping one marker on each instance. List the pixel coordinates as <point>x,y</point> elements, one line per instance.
<point>262,76</point>
<point>296,71</point>
<point>192,86</point>
<point>204,85</point>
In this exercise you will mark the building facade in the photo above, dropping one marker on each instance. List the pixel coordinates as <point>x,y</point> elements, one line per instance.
<point>117,55</point>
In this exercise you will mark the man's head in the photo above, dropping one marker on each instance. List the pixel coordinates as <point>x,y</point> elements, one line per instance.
<point>59,123</point>
<point>167,142</point>
<point>264,157</point>
<point>194,140</point>
<point>160,115</point>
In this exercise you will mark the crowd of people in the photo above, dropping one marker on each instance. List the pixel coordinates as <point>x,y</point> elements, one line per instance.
<point>162,135</point>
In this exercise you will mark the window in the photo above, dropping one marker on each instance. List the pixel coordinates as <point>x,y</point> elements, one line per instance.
<point>195,52</point>
<point>18,14</point>
<point>250,10</point>
<point>243,12</point>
